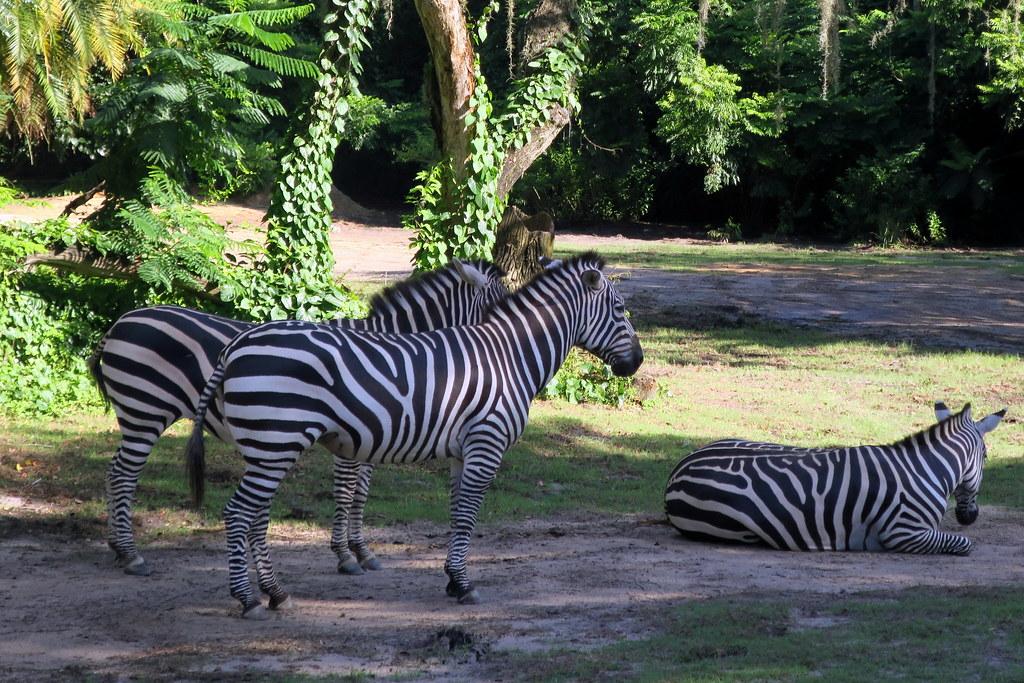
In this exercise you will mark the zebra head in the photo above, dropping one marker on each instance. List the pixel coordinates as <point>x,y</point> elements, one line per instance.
<point>973,435</point>
<point>604,329</point>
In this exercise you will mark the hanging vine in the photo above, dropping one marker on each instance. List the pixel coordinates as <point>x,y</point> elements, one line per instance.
<point>295,280</point>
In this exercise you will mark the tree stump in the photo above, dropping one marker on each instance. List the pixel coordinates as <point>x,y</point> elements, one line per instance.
<point>520,242</point>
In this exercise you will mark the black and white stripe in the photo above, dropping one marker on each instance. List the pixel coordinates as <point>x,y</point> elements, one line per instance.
<point>461,392</point>
<point>153,363</point>
<point>882,498</point>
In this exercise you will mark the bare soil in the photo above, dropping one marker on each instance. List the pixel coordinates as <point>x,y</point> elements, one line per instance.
<point>951,306</point>
<point>554,583</point>
<point>559,583</point>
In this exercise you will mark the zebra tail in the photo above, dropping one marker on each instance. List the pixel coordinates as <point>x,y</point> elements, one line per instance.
<point>93,363</point>
<point>195,452</point>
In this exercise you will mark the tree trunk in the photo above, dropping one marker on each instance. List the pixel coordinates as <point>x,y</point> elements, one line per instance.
<point>451,88</point>
<point>547,25</point>
<point>521,241</point>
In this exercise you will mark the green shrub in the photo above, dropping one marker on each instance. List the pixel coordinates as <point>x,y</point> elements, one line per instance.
<point>585,379</point>
<point>882,198</point>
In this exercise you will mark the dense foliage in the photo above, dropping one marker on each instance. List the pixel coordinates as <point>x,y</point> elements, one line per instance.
<point>917,137</point>
<point>883,120</point>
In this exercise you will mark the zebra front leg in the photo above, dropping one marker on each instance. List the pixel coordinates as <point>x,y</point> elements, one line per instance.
<point>925,542</point>
<point>356,543</point>
<point>238,520</point>
<point>346,474</point>
<point>122,480</point>
<point>265,576</point>
<point>477,474</point>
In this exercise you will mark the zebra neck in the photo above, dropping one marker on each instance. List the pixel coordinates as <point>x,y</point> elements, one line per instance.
<point>944,449</point>
<point>535,337</point>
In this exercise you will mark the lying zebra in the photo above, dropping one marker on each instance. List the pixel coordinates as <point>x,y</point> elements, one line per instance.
<point>153,363</point>
<point>876,498</point>
<point>463,393</point>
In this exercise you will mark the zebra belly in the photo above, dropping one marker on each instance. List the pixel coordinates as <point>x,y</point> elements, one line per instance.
<point>363,421</point>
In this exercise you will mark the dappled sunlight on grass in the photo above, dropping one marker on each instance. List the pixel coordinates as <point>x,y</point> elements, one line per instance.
<point>682,257</point>
<point>918,635</point>
<point>756,382</point>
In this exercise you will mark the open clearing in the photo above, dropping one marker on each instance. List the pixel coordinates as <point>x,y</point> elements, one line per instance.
<point>560,582</point>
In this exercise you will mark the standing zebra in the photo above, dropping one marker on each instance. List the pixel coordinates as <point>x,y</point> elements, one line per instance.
<point>462,393</point>
<point>866,498</point>
<point>153,363</point>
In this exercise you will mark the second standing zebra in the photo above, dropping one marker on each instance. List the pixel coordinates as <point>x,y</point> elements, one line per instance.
<point>152,365</point>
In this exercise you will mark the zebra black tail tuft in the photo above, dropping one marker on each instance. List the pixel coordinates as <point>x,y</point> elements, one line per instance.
<point>195,452</point>
<point>93,363</point>
<point>195,463</point>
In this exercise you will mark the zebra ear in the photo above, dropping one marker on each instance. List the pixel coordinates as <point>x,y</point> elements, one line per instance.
<point>549,263</point>
<point>593,279</point>
<point>941,411</point>
<point>469,273</point>
<point>991,422</point>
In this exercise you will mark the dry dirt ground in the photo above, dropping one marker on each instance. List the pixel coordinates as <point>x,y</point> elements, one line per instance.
<point>554,583</point>
<point>562,582</point>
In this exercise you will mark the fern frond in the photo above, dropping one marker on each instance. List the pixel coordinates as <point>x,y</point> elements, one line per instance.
<point>226,64</point>
<point>171,92</point>
<point>280,15</point>
<point>279,64</point>
<point>243,23</point>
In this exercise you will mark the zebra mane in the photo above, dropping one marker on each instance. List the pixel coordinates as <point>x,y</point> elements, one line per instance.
<point>590,259</point>
<point>919,435</point>
<point>389,297</point>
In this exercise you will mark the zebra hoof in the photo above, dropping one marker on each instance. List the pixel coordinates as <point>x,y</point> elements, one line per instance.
<point>281,604</point>
<point>138,567</point>
<point>350,567</point>
<point>470,597</point>
<point>371,563</point>
<point>256,612</point>
<point>452,589</point>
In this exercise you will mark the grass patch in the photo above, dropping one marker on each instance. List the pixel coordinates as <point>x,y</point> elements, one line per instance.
<point>687,257</point>
<point>913,635</point>
<point>784,385</point>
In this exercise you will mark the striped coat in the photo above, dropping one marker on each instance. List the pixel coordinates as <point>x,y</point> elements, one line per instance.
<point>153,363</point>
<point>462,393</point>
<point>864,498</point>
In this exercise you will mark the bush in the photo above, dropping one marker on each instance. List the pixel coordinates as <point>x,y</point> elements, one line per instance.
<point>585,379</point>
<point>882,198</point>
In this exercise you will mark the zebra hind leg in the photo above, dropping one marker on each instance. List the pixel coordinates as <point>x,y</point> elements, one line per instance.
<point>238,519</point>
<point>122,480</point>
<point>346,474</point>
<point>356,543</point>
<point>926,542</point>
<point>265,575</point>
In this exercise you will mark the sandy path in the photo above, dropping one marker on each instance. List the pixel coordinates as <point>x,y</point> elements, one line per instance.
<point>553,583</point>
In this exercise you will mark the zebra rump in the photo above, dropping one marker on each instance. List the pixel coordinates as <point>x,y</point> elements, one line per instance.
<point>879,498</point>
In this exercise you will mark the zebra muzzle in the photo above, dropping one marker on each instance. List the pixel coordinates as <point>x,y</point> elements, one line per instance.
<point>966,514</point>
<point>630,362</point>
